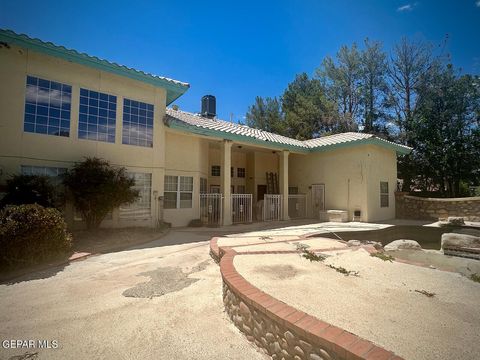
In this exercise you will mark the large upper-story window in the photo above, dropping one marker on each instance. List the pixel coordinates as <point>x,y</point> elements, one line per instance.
<point>97,115</point>
<point>47,107</point>
<point>137,123</point>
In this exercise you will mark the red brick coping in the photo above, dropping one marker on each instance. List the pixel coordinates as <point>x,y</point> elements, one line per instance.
<point>335,342</point>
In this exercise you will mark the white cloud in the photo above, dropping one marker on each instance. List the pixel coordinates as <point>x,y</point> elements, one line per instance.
<point>477,3</point>
<point>44,97</point>
<point>409,7</point>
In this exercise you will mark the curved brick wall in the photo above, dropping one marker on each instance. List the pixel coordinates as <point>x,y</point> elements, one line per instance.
<point>414,207</point>
<point>281,330</point>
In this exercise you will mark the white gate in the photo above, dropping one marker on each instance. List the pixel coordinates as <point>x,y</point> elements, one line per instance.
<point>211,209</point>
<point>272,207</point>
<point>241,208</point>
<point>297,206</point>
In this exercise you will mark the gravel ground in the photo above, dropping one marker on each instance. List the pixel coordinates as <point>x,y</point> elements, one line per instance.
<point>381,304</point>
<point>176,311</point>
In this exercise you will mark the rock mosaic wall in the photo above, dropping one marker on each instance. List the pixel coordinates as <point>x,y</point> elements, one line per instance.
<point>413,207</point>
<point>275,339</point>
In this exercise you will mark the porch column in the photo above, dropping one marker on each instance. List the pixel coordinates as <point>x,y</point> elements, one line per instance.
<point>283,182</point>
<point>226,181</point>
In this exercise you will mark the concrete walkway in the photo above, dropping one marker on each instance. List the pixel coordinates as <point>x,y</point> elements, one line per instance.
<point>154,302</point>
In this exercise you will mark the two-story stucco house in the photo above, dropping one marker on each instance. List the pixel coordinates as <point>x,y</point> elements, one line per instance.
<point>58,106</point>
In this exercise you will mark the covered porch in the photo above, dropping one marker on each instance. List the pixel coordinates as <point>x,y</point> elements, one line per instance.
<point>248,183</point>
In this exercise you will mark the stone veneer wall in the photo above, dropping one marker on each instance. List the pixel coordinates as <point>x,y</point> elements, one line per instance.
<point>414,207</point>
<point>284,332</point>
<point>274,338</point>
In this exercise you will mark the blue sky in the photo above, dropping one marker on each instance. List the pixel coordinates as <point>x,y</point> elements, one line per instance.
<point>238,50</point>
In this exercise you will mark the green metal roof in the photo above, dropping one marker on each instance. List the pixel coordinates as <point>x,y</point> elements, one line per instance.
<point>174,88</point>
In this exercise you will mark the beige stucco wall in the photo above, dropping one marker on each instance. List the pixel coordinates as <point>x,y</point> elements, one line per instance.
<point>351,176</point>
<point>239,160</point>
<point>381,166</point>
<point>22,148</point>
<point>186,155</point>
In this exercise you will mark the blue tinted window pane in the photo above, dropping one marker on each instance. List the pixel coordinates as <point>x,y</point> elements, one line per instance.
<point>93,116</point>
<point>136,118</point>
<point>29,127</point>
<point>42,110</point>
<point>44,83</point>
<point>54,113</point>
<point>42,120</point>
<point>41,129</point>
<point>43,101</point>
<point>32,80</point>
<point>54,122</point>
<point>31,109</point>
<point>56,86</point>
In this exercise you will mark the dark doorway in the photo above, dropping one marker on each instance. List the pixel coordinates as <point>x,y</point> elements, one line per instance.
<point>261,191</point>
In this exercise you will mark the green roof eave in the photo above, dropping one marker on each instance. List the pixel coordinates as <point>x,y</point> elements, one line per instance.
<point>399,149</point>
<point>173,88</point>
<point>235,137</point>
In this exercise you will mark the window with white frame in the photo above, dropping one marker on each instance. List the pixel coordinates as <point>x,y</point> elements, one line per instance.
<point>215,170</point>
<point>241,172</point>
<point>55,173</point>
<point>178,193</point>
<point>384,194</point>
<point>97,116</point>
<point>47,107</point>
<point>141,208</point>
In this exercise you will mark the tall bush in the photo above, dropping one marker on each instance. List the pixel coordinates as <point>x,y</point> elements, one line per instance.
<point>30,234</point>
<point>97,188</point>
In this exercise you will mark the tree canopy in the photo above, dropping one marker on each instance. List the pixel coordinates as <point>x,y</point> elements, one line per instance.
<point>410,95</point>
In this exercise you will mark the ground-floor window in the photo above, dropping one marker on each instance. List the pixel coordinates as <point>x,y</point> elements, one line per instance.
<point>215,170</point>
<point>178,192</point>
<point>240,189</point>
<point>241,172</point>
<point>384,194</point>
<point>55,173</point>
<point>141,208</point>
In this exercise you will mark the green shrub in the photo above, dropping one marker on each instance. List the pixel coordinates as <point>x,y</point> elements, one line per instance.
<point>30,189</point>
<point>97,188</point>
<point>30,234</point>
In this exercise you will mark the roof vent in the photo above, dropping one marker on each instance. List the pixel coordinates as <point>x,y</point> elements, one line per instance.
<point>209,106</point>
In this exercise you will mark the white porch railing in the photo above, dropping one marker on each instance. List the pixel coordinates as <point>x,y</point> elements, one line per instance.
<point>272,207</point>
<point>297,206</point>
<point>241,208</point>
<point>211,207</point>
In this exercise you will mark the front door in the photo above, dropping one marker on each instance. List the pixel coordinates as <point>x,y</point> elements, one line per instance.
<point>261,191</point>
<point>318,199</point>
